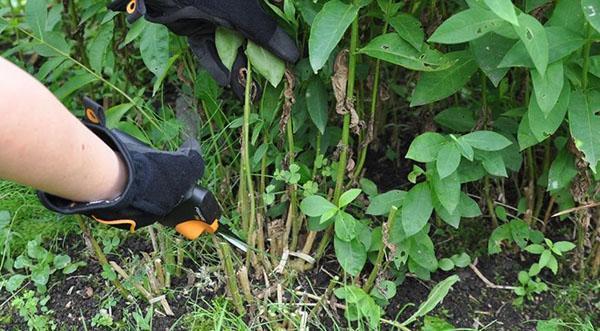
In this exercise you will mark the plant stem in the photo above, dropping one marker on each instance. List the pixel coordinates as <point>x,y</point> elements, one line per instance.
<point>296,222</point>
<point>541,192</point>
<point>374,99</point>
<point>530,187</point>
<point>586,58</point>
<point>380,255</point>
<point>230,275</point>
<point>489,202</point>
<point>343,160</point>
<point>246,166</point>
<point>87,233</point>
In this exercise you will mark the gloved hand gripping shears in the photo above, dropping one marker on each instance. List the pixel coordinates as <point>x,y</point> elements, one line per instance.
<point>198,19</point>
<point>161,187</point>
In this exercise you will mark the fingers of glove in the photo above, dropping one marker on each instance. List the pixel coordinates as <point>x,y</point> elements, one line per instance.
<point>205,50</point>
<point>203,46</point>
<point>245,16</point>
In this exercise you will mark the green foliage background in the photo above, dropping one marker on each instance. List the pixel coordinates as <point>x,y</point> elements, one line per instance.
<point>502,95</point>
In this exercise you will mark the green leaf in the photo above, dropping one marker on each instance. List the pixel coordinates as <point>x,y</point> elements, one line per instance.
<point>500,234</point>
<point>446,264</point>
<point>74,84</point>
<point>14,282</point>
<point>465,149</point>
<point>35,250</point>
<point>563,246</point>
<point>535,249</point>
<point>458,119</point>
<point>461,260</point>
<point>437,294</point>
<point>4,218</point>
<point>448,160</point>
<point>71,268</point>
<point>228,43</point>
<point>132,130</point>
<point>36,15</point>
<point>533,35</point>
<point>519,231</point>
<point>345,226</point>
<point>562,171</point>
<point>40,274</point>
<point>316,102</point>
<point>384,290</point>
<point>61,261</point>
<point>154,47</point>
<point>327,30</point>
<point>265,63</point>
<point>465,26</point>
<point>382,203</point>
<point>409,28</point>
<point>22,261</point>
<point>417,208</point>
<point>525,135</point>
<point>352,255</point>
<point>425,147</point>
<point>585,125</point>
<point>447,190</point>
<point>545,258</point>
<point>436,324</point>
<point>534,269</point>
<point>486,140</point>
<point>308,9</point>
<point>437,85</point>
<point>504,9</point>
<point>369,187</point>
<point>543,125</point>
<point>135,30</point>
<point>391,48</point>
<point>452,219</point>
<point>422,252</point>
<point>548,87</point>
<point>489,51</point>
<point>550,325</point>
<point>159,80</point>
<point>100,45</point>
<point>591,11</point>
<point>315,206</point>
<point>326,216</point>
<point>568,14</point>
<point>468,207</point>
<point>347,197</point>
<point>54,44</point>
<point>493,163</point>
<point>561,43</point>
<point>523,277</point>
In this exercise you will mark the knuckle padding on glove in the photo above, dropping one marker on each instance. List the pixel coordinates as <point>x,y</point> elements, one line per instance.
<point>163,179</point>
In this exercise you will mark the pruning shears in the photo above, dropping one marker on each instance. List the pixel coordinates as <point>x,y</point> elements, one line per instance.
<point>200,214</point>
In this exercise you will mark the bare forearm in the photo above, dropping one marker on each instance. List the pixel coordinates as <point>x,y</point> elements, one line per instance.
<point>44,146</point>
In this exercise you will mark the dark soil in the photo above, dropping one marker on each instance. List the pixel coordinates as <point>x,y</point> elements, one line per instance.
<point>78,297</point>
<point>471,304</point>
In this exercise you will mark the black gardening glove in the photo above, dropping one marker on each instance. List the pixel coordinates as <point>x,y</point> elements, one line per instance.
<point>157,181</point>
<point>197,19</point>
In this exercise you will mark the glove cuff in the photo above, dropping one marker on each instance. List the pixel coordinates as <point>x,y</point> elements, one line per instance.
<point>157,181</point>
<point>94,121</point>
